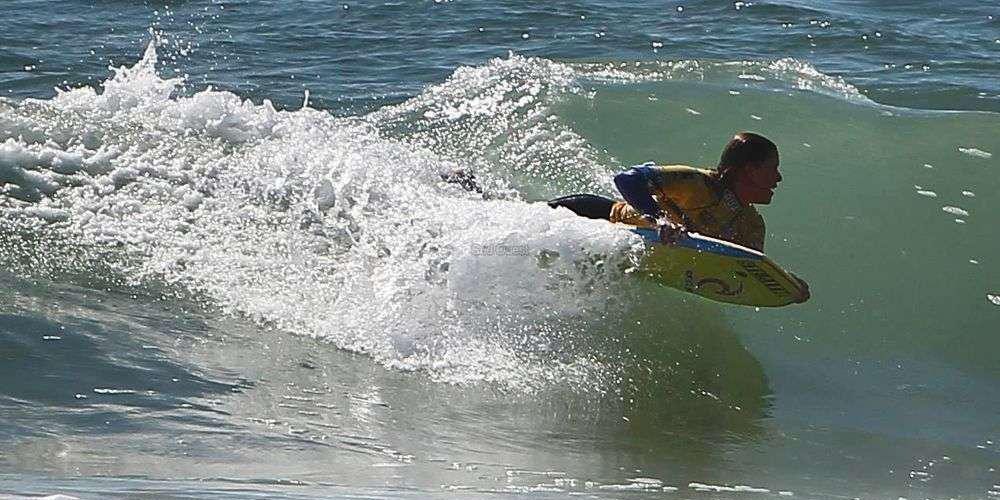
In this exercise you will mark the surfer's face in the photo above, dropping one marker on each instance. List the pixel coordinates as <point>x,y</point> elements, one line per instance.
<point>757,181</point>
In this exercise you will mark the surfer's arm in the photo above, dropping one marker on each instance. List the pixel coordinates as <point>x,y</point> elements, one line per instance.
<point>748,230</point>
<point>754,236</point>
<point>634,185</point>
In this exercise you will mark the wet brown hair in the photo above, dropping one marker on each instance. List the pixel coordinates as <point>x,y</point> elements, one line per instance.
<point>743,148</point>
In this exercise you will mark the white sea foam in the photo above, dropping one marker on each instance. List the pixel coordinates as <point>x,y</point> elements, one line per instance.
<point>719,488</point>
<point>499,111</point>
<point>325,227</point>
<point>978,153</point>
<point>100,390</point>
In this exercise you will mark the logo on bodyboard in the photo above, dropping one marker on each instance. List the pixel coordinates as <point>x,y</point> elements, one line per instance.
<point>764,278</point>
<point>723,288</point>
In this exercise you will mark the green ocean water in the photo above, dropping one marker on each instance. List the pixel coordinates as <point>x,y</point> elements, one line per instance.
<point>851,214</point>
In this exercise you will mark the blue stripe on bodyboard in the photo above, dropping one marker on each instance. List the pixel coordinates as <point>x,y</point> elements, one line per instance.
<point>701,243</point>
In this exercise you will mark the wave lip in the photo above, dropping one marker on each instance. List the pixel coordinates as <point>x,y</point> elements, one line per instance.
<point>779,74</point>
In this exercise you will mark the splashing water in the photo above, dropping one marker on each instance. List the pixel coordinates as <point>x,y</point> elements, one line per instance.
<point>318,225</point>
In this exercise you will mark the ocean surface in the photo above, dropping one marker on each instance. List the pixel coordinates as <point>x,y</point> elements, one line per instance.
<point>229,267</point>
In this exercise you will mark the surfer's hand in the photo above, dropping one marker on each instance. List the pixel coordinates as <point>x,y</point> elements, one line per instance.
<point>670,232</point>
<point>805,289</point>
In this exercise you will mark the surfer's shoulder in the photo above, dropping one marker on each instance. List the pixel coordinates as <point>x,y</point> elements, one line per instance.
<point>673,174</point>
<point>751,229</point>
<point>680,170</point>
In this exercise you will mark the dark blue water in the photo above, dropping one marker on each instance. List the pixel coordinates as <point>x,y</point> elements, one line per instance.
<point>350,55</point>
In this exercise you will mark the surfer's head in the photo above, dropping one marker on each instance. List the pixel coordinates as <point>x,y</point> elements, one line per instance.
<point>749,165</point>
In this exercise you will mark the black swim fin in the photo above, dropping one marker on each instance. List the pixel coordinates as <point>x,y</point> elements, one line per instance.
<point>590,206</point>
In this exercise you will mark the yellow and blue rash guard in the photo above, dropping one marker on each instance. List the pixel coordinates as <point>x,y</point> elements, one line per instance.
<point>690,196</point>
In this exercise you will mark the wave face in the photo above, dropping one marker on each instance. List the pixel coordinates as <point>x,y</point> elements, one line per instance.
<point>341,228</point>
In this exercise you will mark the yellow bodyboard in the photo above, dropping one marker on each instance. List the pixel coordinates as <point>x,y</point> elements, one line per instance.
<point>719,270</point>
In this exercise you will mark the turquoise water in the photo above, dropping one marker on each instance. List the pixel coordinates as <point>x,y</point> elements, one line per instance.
<point>230,268</point>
